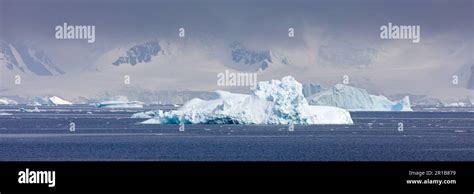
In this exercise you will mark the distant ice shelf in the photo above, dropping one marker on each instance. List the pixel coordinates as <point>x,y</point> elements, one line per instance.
<point>458,104</point>
<point>120,104</point>
<point>273,102</point>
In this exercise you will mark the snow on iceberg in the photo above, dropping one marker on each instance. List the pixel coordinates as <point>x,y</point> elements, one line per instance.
<point>58,101</point>
<point>120,104</point>
<point>356,99</point>
<point>273,102</point>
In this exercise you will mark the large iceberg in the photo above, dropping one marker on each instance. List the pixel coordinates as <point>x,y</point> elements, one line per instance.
<point>273,102</point>
<point>356,99</point>
<point>58,101</point>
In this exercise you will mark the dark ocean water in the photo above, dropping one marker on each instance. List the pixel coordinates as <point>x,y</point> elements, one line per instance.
<point>105,134</point>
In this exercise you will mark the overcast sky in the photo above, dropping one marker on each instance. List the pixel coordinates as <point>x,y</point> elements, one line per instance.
<point>122,21</point>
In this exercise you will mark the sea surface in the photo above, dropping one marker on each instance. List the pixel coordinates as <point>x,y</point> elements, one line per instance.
<point>87,133</point>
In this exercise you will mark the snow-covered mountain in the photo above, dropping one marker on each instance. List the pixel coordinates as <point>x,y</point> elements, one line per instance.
<point>339,53</point>
<point>139,56</point>
<point>235,55</point>
<point>252,59</point>
<point>141,53</point>
<point>20,59</point>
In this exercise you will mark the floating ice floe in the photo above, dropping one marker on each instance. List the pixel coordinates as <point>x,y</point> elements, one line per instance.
<point>120,104</point>
<point>356,99</point>
<point>273,102</point>
<point>147,114</point>
<point>29,110</point>
<point>58,101</point>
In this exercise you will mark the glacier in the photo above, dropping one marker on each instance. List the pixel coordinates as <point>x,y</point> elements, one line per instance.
<point>58,101</point>
<point>357,99</point>
<point>120,104</point>
<point>142,53</point>
<point>279,102</point>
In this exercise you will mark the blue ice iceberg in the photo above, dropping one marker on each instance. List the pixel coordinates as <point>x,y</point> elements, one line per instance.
<point>356,99</point>
<point>273,102</point>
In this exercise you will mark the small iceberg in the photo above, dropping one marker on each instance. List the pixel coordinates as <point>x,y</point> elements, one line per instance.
<point>7,101</point>
<point>29,110</point>
<point>58,101</point>
<point>356,99</point>
<point>120,104</point>
<point>146,115</point>
<point>35,103</point>
<point>272,102</point>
